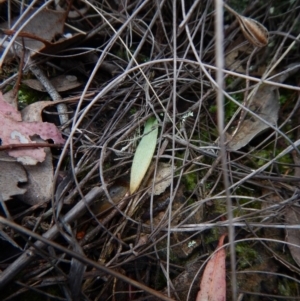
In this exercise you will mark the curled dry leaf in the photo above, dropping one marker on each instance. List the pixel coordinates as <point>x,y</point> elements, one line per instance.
<point>253,31</point>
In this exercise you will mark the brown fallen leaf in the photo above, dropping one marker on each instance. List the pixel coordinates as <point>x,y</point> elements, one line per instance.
<point>40,176</point>
<point>234,55</point>
<point>213,283</point>
<point>265,104</point>
<point>13,130</point>
<point>292,217</point>
<point>162,180</point>
<point>11,174</point>
<point>61,83</point>
<point>116,192</point>
<point>39,36</point>
<point>10,98</point>
<point>41,32</point>
<point>253,31</point>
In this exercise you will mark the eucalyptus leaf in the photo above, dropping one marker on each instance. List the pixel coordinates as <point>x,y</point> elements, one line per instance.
<point>143,155</point>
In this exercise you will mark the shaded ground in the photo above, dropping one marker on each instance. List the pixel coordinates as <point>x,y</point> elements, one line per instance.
<point>135,60</point>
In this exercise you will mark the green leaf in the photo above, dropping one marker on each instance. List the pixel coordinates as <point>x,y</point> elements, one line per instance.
<point>143,154</point>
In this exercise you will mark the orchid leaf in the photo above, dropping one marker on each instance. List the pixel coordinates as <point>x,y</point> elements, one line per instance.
<point>143,155</point>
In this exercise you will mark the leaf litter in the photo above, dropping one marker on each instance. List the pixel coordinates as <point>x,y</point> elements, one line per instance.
<point>152,241</point>
<point>36,35</point>
<point>265,104</point>
<point>15,131</point>
<point>61,83</point>
<point>12,173</point>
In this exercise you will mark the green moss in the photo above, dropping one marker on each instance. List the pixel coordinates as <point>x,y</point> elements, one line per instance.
<point>282,99</point>
<point>213,109</point>
<point>287,287</point>
<point>244,203</point>
<point>190,181</point>
<point>230,107</point>
<point>212,236</point>
<point>208,135</point>
<point>284,164</point>
<point>246,255</point>
<point>229,80</point>
<point>27,96</point>
<point>133,110</point>
<point>261,157</point>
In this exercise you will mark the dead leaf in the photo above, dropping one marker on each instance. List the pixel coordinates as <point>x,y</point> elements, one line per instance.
<point>33,112</point>
<point>233,56</point>
<point>266,105</point>
<point>8,110</point>
<point>253,31</point>
<point>213,283</point>
<point>14,131</point>
<point>61,83</point>
<point>163,178</point>
<point>292,217</point>
<point>61,44</point>
<point>116,192</point>
<point>11,174</point>
<point>10,98</point>
<point>38,35</point>
<point>40,176</point>
<point>40,180</point>
<point>37,28</point>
